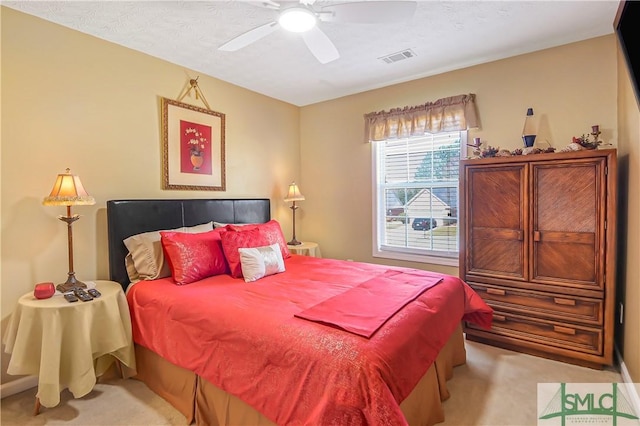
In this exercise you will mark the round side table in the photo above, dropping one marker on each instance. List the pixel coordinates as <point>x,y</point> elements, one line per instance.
<point>68,345</point>
<point>307,248</point>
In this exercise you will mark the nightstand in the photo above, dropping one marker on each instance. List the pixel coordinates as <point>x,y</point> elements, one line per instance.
<point>307,248</point>
<point>68,345</point>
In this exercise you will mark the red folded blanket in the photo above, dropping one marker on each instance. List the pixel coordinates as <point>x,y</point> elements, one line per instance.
<point>363,309</point>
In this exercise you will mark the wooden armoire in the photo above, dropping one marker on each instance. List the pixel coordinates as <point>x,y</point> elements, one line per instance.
<point>537,242</point>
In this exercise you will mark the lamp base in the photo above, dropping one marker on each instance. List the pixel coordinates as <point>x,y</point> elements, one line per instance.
<point>70,284</point>
<point>294,242</point>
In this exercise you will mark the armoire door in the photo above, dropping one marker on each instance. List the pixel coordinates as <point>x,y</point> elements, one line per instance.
<point>496,239</point>
<point>568,211</point>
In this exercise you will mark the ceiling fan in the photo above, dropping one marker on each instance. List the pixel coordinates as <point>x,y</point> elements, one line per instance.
<point>302,17</point>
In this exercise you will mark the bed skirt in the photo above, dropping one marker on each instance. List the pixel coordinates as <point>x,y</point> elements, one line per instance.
<point>200,401</point>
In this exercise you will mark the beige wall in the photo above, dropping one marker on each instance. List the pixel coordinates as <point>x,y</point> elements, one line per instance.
<point>71,100</point>
<point>629,247</point>
<point>568,95</point>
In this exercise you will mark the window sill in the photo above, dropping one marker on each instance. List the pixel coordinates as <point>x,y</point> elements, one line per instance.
<point>421,258</point>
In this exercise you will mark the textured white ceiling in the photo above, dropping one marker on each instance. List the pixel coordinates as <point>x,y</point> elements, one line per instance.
<point>445,35</point>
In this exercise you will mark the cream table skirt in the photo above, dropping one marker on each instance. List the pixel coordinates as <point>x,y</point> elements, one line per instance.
<point>68,345</point>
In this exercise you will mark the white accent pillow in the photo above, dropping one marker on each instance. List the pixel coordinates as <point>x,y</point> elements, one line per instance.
<point>145,260</point>
<point>259,262</point>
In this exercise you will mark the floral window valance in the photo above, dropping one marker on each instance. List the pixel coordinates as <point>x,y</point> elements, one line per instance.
<point>443,115</point>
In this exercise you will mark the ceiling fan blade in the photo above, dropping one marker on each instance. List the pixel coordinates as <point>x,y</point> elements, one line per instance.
<point>369,12</point>
<point>249,37</point>
<point>269,4</point>
<point>319,44</point>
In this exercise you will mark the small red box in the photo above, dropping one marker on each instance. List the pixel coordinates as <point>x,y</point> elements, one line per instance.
<point>44,290</point>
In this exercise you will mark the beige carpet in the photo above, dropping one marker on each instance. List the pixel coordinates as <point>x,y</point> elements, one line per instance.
<point>495,387</point>
<point>499,387</point>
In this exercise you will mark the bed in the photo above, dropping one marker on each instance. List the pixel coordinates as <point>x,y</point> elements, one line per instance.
<point>225,351</point>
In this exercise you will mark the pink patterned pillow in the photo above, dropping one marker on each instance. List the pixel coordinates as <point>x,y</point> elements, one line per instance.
<point>240,227</point>
<point>234,240</point>
<point>273,233</point>
<point>250,236</point>
<point>193,257</point>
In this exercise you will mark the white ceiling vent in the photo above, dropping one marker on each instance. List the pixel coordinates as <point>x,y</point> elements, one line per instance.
<point>398,56</point>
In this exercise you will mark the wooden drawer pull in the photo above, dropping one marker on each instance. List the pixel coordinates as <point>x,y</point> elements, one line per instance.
<point>567,302</point>
<point>496,291</point>
<point>564,330</point>
<point>499,318</point>
<point>536,236</point>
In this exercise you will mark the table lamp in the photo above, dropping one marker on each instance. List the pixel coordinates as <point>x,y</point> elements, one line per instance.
<point>68,191</point>
<point>292,196</point>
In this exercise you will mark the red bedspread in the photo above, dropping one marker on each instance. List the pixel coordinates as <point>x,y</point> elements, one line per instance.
<point>364,308</point>
<point>244,338</point>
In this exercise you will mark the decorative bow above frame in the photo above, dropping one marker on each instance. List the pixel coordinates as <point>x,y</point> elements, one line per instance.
<point>193,143</point>
<point>193,85</point>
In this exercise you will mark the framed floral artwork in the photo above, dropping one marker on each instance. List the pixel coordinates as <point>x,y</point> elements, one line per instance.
<point>193,154</point>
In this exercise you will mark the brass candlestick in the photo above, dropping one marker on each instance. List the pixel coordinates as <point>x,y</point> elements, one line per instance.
<point>595,132</point>
<point>477,143</point>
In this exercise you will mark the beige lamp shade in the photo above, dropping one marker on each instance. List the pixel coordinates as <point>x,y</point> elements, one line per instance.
<point>292,196</point>
<point>294,193</point>
<point>68,191</point>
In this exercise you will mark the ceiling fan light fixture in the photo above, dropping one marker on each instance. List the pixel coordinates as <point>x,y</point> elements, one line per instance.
<point>297,19</point>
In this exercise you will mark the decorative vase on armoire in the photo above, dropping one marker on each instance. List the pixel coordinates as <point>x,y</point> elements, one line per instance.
<point>529,129</point>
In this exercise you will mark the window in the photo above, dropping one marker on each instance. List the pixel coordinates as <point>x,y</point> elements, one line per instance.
<point>416,197</point>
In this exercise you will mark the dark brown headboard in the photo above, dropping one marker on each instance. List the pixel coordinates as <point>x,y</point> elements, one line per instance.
<point>130,217</point>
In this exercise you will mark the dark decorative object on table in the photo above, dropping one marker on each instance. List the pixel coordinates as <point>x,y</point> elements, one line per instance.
<point>533,150</point>
<point>584,142</point>
<point>489,151</point>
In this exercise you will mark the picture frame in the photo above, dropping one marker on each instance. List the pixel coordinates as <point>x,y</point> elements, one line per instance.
<point>193,147</point>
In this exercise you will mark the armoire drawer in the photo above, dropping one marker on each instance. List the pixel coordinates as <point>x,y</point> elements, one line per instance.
<point>547,333</point>
<point>545,305</point>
